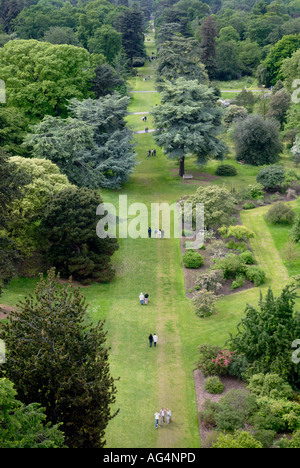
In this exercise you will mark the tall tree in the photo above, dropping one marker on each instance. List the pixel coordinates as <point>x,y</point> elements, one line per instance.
<point>257,140</point>
<point>266,333</point>
<point>180,57</point>
<point>23,426</point>
<point>40,77</point>
<point>68,227</point>
<point>188,121</point>
<point>209,33</point>
<point>130,25</point>
<point>93,148</point>
<point>12,183</point>
<point>56,358</point>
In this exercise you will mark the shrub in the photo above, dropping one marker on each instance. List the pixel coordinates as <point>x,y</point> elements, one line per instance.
<point>239,232</point>
<point>192,259</point>
<point>211,280</point>
<point>238,283</point>
<point>271,177</point>
<point>240,439</point>
<point>247,257</point>
<point>217,249</point>
<point>208,363</point>
<point>138,62</point>
<point>204,303</point>
<point>238,366</point>
<point>231,265</point>
<point>235,409</point>
<point>256,275</point>
<point>234,113</point>
<point>280,213</point>
<point>239,246</point>
<point>207,415</point>
<point>249,206</point>
<point>226,170</point>
<point>293,442</point>
<point>213,385</point>
<point>265,437</point>
<point>270,385</point>
<point>257,141</point>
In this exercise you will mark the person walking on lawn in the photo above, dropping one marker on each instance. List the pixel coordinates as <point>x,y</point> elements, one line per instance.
<point>155,339</point>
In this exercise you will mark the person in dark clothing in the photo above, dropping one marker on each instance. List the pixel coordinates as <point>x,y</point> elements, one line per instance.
<point>150,340</point>
<point>149,232</point>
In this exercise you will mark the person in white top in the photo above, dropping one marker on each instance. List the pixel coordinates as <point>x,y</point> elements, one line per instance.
<point>155,339</point>
<point>156,415</point>
<point>168,415</point>
<point>141,298</point>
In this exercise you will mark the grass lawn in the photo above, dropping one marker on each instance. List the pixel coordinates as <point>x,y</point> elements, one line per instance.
<point>162,376</point>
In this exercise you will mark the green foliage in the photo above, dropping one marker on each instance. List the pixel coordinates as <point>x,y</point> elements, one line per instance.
<point>249,206</point>
<point>30,68</point>
<point>93,147</point>
<point>295,231</point>
<point>226,170</point>
<point>239,232</point>
<point>72,245</point>
<point>257,141</point>
<point>130,24</point>
<point>23,426</point>
<point>231,265</point>
<point>240,439</point>
<point>180,58</point>
<point>192,259</point>
<point>264,436</point>
<point>256,275</point>
<point>286,442</point>
<point>45,181</point>
<point>234,410</point>
<point>239,246</point>
<point>64,365</point>
<point>280,213</point>
<point>271,177</point>
<point>238,282</point>
<point>219,205</point>
<point>207,416</point>
<point>234,113</point>
<point>270,385</point>
<point>265,335</point>
<point>188,121</point>
<point>213,385</point>
<point>247,257</point>
<point>283,49</point>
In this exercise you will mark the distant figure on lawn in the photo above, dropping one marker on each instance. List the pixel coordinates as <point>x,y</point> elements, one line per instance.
<point>159,233</point>
<point>150,340</point>
<point>149,232</point>
<point>168,415</point>
<point>141,298</point>
<point>155,232</point>
<point>155,339</point>
<point>146,298</point>
<point>156,415</point>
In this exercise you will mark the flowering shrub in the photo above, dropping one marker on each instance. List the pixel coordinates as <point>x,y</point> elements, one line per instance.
<point>223,359</point>
<point>214,360</point>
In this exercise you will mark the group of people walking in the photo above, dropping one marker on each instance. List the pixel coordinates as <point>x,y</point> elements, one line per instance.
<point>160,233</point>
<point>153,339</point>
<point>144,298</point>
<point>151,153</point>
<point>162,415</point>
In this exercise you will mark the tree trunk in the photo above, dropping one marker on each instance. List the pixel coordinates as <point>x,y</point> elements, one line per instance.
<point>181,166</point>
